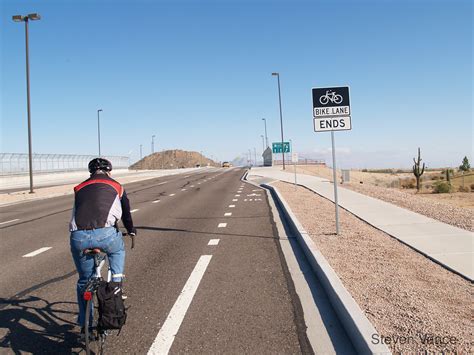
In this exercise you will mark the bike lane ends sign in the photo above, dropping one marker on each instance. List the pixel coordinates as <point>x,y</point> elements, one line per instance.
<point>331,109</point>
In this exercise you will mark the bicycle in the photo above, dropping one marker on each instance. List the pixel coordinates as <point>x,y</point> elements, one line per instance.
<point>330,96</point>
<point>94,336</point>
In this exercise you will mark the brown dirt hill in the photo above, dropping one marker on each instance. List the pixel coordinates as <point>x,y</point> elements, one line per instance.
<point>172,159</point>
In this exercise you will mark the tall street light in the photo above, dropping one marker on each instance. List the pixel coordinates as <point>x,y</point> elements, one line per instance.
<point>263,143</point>
<point>98,127</point>
<point>153,144</point>
<point>26,19</point>
<point>266,137</point>
<point>281,120</point>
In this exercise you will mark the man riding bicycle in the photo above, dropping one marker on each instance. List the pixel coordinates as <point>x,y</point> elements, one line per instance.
<point>99,203</point>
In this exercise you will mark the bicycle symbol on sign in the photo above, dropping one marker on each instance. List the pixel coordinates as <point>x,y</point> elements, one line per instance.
<point>330,96</point>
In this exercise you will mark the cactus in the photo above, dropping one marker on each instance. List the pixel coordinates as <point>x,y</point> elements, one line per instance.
<point>417,171</point>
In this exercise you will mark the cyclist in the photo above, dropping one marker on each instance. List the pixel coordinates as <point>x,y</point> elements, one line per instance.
<point>99,203</point>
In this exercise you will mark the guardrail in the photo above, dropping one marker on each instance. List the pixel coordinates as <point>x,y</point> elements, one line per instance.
<point>17,163</point>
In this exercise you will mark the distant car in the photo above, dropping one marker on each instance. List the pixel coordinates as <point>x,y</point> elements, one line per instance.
<point>226,164</point>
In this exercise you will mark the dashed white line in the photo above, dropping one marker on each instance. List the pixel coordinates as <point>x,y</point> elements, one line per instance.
<point>168,331</point>
<point>183,189</point>
<point>156,201</point>
<point>231,206</point>
<point>135,210</point>
<point>222,225</point>
<point>10,221</point>
<point>227,214</point>
<point>235,200</point>
<point>172,195</point>
<point>36,252</point>
<point>192,186</point>
<point>213,242</point>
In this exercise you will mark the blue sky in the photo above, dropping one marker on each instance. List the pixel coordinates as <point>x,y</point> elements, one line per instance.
<point>197,74</point>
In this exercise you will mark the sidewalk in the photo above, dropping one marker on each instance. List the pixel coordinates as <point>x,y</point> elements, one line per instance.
<point>445,244</point>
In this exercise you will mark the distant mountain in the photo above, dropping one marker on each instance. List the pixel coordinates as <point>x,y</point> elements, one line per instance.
<point>172,159</point>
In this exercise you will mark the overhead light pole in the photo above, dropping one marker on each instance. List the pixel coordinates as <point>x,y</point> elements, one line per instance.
<point>281,120</point>
<point>98,127</point>
<point>153,144</point>
<point>141,155</point>
<point>266,137</point>
<point>263,143</point>
<point>26,19</point>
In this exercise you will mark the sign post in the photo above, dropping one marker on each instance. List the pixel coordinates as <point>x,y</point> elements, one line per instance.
<point>332,112</point>
<point>294,160</point>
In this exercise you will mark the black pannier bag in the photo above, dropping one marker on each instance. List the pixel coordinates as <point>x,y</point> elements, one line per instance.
<point>112,312</point>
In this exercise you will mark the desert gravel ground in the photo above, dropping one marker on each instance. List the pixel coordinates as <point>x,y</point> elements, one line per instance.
<point>415,302</point>
<point>444,212</point>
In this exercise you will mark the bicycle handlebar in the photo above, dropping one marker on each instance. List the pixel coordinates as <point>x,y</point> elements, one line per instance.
<point>132,236</point>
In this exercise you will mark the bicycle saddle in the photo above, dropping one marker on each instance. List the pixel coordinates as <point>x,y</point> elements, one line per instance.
<point>93,251</point>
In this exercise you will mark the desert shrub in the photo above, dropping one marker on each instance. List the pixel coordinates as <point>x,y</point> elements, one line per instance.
<point>441,187</point>
<point>408,183</point>
<point>463,189</point>
<point>435,177</point>
<point>472,187</point>
<point>364,170</point>
<point>441,177</point>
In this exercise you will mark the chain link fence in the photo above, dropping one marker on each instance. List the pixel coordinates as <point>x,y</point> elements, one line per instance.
<point>17,164</point>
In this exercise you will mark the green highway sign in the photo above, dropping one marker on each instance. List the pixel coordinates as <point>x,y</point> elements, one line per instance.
<point>276,147</point>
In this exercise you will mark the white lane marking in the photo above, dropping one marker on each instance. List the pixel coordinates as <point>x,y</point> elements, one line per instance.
<point>192,186</point>
<point>183,189</point>
<point>186,176</point>
<point>235,200</point>
<point>227,214</point>
<point>162,183</point>
<point>172,194</point>
<point>13,220</point>
<point>231,206</point>
<point>237,195</point>
<point>253,195</point>
<point>135,210</point>
<point>256,190</point>
<point>168,331</point>
<point>36,252</point>
<point>213,242</point>
<point>222,225</point>
<point>156,201</point>
<point>199,183</point>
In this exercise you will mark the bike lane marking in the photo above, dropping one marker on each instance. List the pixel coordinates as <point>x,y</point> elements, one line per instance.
<point>36,252</point>
<point>222,225</point>
<point>169,330</point>
<point>227,214</point>
<point>213,242</point>
<point>156,201</point>
<point>135,210</point>
<point>10,221</point>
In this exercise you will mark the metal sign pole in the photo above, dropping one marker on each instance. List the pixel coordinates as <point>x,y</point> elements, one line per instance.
<point>335,182</point>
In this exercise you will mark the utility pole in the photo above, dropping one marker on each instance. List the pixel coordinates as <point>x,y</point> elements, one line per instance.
<point>25,19</point>
<point>153,144</point>
<point>98,127</point>
<point>141,155</point>
<point>281,120</point>
<point>266,137</point>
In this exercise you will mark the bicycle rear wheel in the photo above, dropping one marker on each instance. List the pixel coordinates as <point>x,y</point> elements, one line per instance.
<point>94,338</point>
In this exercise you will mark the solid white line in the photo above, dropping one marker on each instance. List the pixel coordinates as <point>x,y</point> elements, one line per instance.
<point>227,214</point>
<point>213,242</point>
<point>231,206</point>
<point>172,194</point>
<point>36,252</point>
<point>135,210</point>
<point>13,220</point>
<point>235,200</point>
<point>168,331</point>
<point>156,201</point>
<point>222,225</point>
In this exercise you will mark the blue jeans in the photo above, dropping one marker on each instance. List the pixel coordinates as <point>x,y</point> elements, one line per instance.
<point>110,241</point>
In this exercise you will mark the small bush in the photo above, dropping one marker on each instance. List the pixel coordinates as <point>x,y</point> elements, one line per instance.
<point>408,183</point>
<point>463,189</point>
<point>441,187</point>
<point>435,178</point>
<point>472,187</point>
<point>364,170</point>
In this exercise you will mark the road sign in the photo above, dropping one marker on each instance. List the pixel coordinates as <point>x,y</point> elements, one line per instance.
<point>276,147</point>
<point>331,109</point>
<point>294,157</point>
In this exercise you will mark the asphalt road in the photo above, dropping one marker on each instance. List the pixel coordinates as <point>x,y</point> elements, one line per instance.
<point>244,300</point>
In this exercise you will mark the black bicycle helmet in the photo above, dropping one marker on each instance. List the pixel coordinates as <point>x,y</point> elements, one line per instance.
<point>99,164</point>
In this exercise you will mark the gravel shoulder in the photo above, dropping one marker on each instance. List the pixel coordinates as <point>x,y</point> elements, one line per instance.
<point>414,304</point>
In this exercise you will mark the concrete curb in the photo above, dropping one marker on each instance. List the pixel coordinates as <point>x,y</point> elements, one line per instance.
<point>358,327</point>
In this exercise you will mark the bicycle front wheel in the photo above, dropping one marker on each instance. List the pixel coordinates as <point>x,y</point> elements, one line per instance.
<point>94,338</point>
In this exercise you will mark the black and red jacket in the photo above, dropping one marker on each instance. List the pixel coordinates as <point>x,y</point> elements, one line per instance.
<point>100,202</point>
